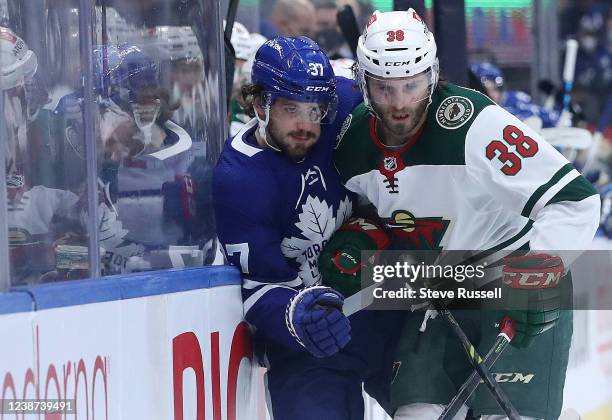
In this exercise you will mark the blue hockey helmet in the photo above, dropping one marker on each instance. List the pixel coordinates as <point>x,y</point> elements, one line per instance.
<point>488,72</point>
<point>130,78</point>
<point>296,69</point>
<point>122,70</point>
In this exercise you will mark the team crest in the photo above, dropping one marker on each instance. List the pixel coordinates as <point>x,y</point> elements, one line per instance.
<point>454,112</point>
<point>423,233</point>
<point>390,163</point>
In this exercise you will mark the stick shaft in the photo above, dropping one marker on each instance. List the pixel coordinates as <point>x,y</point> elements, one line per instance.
<point>470,385</point>
<point>500,396</point>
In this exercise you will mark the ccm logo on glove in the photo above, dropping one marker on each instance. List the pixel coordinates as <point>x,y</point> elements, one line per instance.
<point>536,271</point>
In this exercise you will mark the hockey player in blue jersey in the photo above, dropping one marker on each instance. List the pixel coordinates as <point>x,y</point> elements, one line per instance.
<point>277,201</point>
<point>515,102</point>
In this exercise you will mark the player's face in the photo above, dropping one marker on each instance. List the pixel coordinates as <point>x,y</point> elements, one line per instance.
<point>493,91</point>
<point>294,127</point>
<point>400,102</point>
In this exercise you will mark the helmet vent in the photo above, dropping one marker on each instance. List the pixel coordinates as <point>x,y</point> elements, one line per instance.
<point>375,61</point>
<point>417,60</point>
<point>396,49</point>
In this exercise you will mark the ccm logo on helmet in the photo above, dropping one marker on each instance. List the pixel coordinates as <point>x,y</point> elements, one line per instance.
<point>396,63</point>
<point>317,88</point>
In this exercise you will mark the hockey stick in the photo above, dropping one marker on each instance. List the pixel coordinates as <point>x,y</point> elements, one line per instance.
<point>506,334</point>
<point>569,68</point>
<point>348,25</point>
<point>229,53</point>
<point>500,396</point>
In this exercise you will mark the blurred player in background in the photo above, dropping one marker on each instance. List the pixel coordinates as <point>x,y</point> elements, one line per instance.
<point>146,154</point>
<point>515,102</point>
<point>245,45</point>
<point>179,59</point>
<point>445,168</point>
<point>289,18</point>
<point>37,215</point>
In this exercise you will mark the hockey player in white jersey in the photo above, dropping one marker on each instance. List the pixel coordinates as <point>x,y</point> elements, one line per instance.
<point>31,210</point>
<point>445,168</point>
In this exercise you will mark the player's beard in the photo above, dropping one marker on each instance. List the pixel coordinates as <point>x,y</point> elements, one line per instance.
<point>292,148</point>
<point>403,129</point>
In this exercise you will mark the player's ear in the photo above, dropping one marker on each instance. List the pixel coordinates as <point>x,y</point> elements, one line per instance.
<point>258,107</point>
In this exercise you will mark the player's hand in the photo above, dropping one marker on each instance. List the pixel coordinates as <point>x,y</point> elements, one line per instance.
<point>340,262</point>
<point>532,294</point>
<point>314,318</point>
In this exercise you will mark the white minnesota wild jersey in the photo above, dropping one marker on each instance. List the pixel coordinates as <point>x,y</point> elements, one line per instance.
<point>474,178</point>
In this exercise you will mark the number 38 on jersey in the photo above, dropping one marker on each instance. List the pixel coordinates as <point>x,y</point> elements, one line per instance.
<point>510,151</point>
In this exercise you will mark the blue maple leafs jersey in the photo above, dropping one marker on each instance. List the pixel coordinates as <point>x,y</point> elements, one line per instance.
<point>521,106</point>
<point>274,215</point>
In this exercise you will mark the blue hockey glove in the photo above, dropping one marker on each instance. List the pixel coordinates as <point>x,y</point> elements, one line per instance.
<point>314,318</point>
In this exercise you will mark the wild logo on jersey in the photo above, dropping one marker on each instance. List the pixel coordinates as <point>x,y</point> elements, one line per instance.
<point>415,232</point>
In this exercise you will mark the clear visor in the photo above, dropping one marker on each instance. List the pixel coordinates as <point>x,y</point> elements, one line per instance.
<point>399,91</point>
<point>306,112</point>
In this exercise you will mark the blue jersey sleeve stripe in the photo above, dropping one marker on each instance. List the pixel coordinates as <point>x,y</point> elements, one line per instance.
<point>259,295</point>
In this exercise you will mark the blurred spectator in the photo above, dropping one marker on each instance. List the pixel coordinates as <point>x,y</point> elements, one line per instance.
<point>328,34</point>
<point>588,21</point>
<point>586,16</point>
<point>290,18</point>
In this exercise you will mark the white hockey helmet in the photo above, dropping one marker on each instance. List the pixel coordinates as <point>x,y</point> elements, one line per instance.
<point>17,62</point>
<point>171,43</point>
<point>241,41</point>
<point>396,45</point>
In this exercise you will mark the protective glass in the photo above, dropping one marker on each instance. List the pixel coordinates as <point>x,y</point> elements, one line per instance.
<point>399,90</point>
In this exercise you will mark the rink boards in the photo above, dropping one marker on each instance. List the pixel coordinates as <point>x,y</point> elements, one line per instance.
<point>172,345</point>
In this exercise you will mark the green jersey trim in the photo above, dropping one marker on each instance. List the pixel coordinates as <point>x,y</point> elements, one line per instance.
<point>576,190</point>
<point>516,242</point>
<point>542,189</point>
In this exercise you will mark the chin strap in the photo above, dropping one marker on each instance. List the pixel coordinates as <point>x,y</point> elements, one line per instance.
<point>262,125</point>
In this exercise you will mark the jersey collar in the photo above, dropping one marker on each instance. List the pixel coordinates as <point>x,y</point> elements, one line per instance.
<point>402,149</point>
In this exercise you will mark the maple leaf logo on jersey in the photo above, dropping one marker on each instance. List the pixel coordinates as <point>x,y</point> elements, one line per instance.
<point>415,232</point>
<point>316,223</point>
